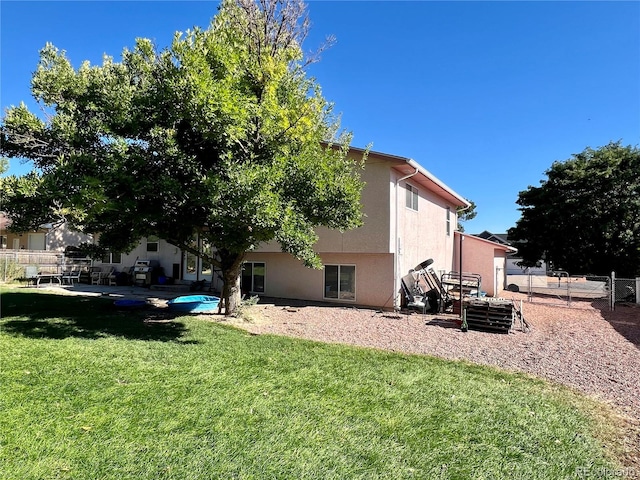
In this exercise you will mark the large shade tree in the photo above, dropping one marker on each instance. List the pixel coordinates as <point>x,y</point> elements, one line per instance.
<point>585,217</point>
<point>221,137</point>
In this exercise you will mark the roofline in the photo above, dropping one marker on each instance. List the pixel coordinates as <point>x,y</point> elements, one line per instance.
<point>438,182</point>
<point>507,248</point>
<point>463,202</point>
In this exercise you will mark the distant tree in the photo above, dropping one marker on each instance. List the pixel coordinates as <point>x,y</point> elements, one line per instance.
<point>4,165</point>
<point>585,218</point>
<point>466,214</point>
<point>221,137</point>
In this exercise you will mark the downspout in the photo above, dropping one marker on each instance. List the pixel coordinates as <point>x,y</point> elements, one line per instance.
<point>396,263</point>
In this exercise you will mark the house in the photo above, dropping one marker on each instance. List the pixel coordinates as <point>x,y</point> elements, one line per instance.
<point>513,259</point>
<point>485,257</point>
<point>47,237</point>
<point>410,216</point>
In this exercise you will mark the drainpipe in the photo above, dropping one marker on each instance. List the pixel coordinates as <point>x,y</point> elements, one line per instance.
<point>396,266</point>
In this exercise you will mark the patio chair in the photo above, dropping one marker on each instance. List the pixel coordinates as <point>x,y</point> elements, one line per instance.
<point>112,278</point>
<point>413,295</point>
<point>105,274</point>
<point>94,275</point>
<point>31,273</point>
<point>71,275</point>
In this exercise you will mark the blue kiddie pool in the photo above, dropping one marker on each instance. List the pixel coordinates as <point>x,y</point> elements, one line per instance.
<point>128,303</point>
<point>194,304</point>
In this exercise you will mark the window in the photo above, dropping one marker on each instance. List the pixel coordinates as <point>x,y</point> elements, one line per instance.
<point>253,275</point>
<point>111,257</point>
<point>340,282</point>
<point>412,197</point>
<point>448,221</point>
<point>3,241</point>
<point>152,243</point>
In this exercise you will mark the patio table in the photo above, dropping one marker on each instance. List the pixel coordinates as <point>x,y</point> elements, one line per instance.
<point>49,276</point>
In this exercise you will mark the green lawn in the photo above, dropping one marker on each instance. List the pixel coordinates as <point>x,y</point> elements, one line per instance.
<point>87,392</point>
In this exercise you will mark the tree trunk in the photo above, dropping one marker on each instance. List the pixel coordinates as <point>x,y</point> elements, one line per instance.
<point>231,293</point>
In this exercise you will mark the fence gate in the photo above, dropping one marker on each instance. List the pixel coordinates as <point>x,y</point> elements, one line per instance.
<point>560,288</point>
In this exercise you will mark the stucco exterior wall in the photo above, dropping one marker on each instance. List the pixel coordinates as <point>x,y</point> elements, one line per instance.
<point>482,257</point>
<point>373,235</point>
<point>20,241</point>
<point>422,234</point>
<point>287,277</point>
<point>390,228</point>
<point>54,239</point>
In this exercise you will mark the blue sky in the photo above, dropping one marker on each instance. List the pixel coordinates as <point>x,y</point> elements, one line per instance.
<point>485,95</point>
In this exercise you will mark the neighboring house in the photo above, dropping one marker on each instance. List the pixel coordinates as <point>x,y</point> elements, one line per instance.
<point>513,259</point>
<point>174,262</point>
<point>488,258</point>
<point>48,237</point>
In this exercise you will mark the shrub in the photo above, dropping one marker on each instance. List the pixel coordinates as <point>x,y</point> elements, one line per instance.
<point>10,271</point>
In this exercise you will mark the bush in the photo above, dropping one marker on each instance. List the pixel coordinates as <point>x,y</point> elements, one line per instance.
<point>10,271</point>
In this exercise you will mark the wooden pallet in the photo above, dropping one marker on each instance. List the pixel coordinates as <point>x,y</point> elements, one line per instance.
<point>489,316</point>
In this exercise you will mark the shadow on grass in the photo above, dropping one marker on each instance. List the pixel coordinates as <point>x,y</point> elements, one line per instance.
<point>40,315</point>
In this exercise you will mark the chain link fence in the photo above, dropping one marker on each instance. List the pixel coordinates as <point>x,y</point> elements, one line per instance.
<point>561,288</point>
<point>577,291</point>
<point>626,290</point>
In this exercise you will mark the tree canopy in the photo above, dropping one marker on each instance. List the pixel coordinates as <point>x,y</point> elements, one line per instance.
<point>465,214</point>
<point>585,217</point>
<point>221,136</point>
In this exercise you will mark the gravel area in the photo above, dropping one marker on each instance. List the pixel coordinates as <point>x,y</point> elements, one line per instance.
<point>595,352</point>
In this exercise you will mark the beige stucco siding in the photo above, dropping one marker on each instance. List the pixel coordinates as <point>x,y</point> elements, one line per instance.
<point>287,277</point>
<point>373,235</point>
<point>55,239</point>
<point>422,234</point>
<point>483,257</point>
